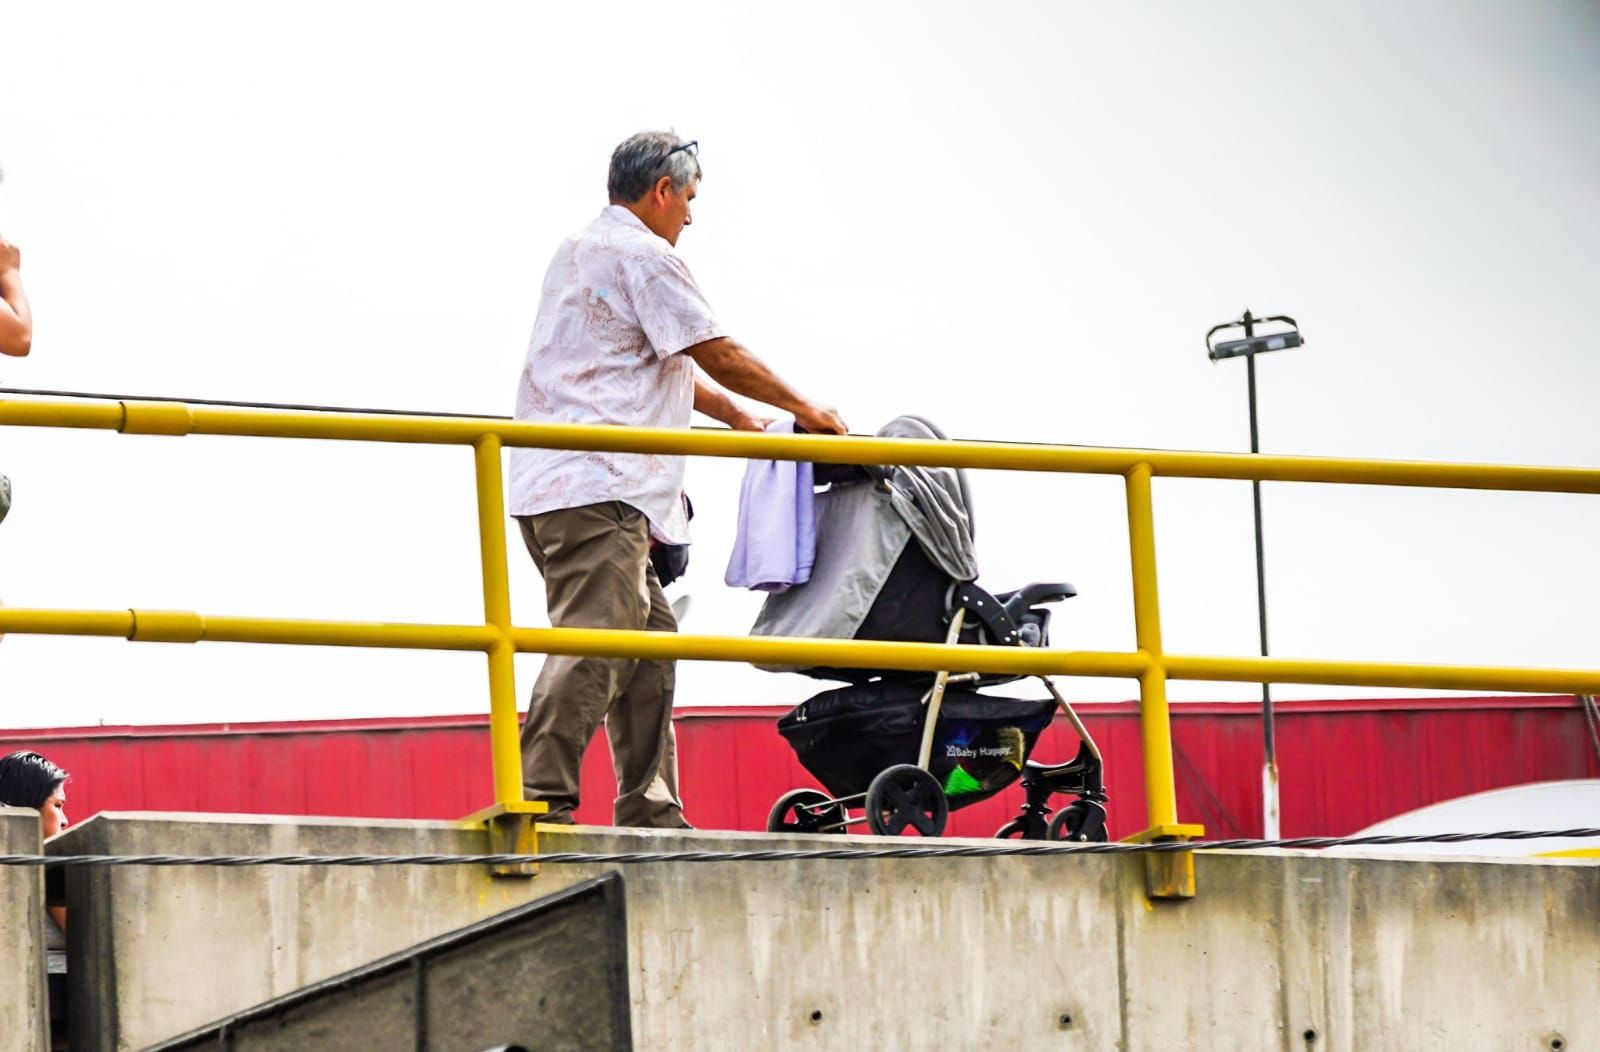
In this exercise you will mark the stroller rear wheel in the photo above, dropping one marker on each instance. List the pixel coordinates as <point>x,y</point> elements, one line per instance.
<point>1082,821</point>
<point>805,811</point>
<point>1027,826</point>
<point>906,795</point>
<point>1016,829</point>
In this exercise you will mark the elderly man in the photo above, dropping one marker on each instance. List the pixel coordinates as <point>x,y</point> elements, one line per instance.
<point>16,329</point>
<point>620,331</point>
<point>16,321</point>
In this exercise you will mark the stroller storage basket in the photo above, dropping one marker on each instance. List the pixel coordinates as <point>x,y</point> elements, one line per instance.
<point>844,737</point>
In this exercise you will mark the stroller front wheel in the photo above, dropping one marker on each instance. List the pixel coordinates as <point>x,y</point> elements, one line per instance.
<point>906,795</point>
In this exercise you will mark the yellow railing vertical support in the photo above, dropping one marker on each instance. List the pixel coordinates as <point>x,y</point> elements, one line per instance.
<point>1166,875</point>
<point>510,819</point>
<point>506,752</point>
<point>1155,726</point>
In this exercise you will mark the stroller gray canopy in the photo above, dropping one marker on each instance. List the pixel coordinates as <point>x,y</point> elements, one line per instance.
<point>862,529</point>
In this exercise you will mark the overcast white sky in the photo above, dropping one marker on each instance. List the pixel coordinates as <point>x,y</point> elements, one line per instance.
<point>1016,219</point>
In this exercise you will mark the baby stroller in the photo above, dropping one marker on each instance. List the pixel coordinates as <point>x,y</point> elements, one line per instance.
<point>894,561</point>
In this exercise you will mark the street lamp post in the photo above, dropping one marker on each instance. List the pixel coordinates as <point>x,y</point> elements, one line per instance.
<point>1247,348</point>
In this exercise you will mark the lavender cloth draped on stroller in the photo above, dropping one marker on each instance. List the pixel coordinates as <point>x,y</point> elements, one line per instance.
<point>895,561</point>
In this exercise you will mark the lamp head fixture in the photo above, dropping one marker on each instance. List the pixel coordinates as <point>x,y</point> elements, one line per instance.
<point>1252,344</point>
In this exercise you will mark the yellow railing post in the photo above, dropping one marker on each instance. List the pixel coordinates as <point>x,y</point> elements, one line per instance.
<point>1155,727</point>
<point>510,819</point>
<point>1166,876</point>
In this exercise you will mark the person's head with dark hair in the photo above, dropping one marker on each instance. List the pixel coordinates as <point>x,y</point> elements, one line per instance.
<point>29,780</point>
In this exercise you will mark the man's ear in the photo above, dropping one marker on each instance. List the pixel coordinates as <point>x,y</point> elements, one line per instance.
<point>662,191</point>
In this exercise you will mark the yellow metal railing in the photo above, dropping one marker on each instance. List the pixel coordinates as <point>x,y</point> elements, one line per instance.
<point>499,639</point>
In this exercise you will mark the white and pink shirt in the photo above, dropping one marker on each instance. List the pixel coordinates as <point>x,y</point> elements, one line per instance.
<point>617,307</point>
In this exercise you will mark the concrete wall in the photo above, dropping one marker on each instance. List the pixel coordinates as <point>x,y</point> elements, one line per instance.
<point>1288,951</point>
<point>24,1009</point>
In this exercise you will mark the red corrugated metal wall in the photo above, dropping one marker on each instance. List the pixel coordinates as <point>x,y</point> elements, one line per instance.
<point>1345,764</point>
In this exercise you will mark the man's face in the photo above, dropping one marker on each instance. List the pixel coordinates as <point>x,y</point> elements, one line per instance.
<point>53,813</point>
<point>675,213</point>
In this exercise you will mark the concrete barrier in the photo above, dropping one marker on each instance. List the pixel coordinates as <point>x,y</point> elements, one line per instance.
<point>24,1004</point>
<point>1286,950</point>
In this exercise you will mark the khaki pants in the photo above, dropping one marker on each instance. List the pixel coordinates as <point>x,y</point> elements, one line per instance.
<point>597,574</point>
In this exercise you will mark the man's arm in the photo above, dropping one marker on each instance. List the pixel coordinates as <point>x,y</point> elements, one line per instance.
<point>715,403</point>
<point>16,320</point>
<point>731,365</point>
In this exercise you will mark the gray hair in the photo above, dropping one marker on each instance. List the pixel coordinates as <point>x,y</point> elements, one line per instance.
<point>644,158</point>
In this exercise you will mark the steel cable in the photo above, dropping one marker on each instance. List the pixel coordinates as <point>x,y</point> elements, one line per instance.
<point>999,850</point>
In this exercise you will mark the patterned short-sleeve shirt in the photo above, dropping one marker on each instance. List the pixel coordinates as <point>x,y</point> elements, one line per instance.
<point>617,307</point>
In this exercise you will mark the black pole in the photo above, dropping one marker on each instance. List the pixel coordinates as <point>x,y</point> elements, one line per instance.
<point>1268,738</point>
